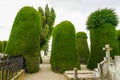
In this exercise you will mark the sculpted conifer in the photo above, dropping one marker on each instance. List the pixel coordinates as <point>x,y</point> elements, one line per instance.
<point>24,38</point>
<point>82,46</point>
<point>102,24</point>
<point>64,54</point>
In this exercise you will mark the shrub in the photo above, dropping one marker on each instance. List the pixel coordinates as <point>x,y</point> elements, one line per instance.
<point>118,35</point>
<point>24,39</point>
<point>64,54</point>
<point>1,46</point>
<point>100,17</point>
<point>82,46</point>
<point>5,43</point>
<point>48,18</point>
<point>102,24</point>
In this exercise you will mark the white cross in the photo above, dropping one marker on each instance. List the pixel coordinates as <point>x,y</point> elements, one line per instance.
<point>107,48</point>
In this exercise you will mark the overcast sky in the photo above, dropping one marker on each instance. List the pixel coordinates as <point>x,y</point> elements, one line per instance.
<point>76,11</point>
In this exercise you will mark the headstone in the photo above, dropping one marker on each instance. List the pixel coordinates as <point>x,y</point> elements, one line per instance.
<point>107,48</point>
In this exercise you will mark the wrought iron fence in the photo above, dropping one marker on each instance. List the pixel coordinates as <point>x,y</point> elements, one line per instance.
<point>10,67</point>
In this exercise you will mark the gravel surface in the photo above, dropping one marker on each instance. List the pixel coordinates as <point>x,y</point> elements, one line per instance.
<point>45,73</point>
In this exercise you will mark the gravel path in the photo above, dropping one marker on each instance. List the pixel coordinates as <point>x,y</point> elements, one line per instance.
<point>45,73</point>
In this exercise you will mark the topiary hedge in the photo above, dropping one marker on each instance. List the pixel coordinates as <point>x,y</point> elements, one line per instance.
<point>118,35</point>
<point>64,54</point>
<point>82,46</point>
<point>101,24</point>
<point>24,39</point>
<point>5,43</point>
<point>100,17</point>
<point>1,46</point>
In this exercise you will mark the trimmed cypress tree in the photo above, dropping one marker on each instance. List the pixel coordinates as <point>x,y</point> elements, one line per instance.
<point>1,46</point>
<point>101,24</point>
<point>82,46</point>
<point>118,35</point>
<point>5,43</point>
<point>24,39</point>
<point>64,54</point>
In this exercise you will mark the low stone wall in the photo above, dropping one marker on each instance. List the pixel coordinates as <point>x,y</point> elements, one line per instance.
<point>19,76</point>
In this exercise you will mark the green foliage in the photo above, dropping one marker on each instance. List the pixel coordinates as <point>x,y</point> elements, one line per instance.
<point>31,63</point>
<point>100,17</point>
<point>118,35</point>
<point>47,11</point>
<point>81,35</point>
<point>45,48</point>
<point>24,39</point>
<point>64,54</point>
<point>48,18</point>
<point>5,43</point>
<point>104,34</point>
<point>1,46</point>
<point>82,46</point>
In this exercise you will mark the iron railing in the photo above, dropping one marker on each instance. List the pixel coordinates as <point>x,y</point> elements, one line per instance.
<point>10,67</point>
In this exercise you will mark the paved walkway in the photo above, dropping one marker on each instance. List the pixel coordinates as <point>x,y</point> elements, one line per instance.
<point>45,73</point>
<point>46,59</point>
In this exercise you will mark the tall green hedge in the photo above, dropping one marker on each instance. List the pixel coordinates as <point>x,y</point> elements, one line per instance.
<point>1,46</point>
<point>24,39</point>
<point>118,35</point>
<point>64,54</point>
<point>101,24</point>
<point>82,46</point>
<point>5,43</point>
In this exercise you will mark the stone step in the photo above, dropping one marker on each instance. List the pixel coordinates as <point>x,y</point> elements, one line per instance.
<point>82,74</point>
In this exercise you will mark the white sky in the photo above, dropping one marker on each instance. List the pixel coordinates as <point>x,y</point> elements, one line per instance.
<point>75,11</point>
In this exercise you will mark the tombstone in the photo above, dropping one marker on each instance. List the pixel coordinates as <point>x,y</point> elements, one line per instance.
<point>117,61</point>
<point>107,48</point>
<point>117,67</point>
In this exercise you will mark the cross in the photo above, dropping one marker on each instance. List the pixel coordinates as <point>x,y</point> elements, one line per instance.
<point>107,48</point>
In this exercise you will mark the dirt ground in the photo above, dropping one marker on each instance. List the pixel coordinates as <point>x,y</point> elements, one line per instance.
<point>45,73</point>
